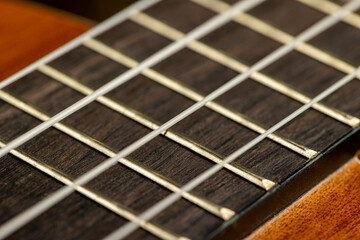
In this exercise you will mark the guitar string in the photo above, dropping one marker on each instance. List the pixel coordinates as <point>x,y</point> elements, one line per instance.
<point>134,165</point>
<point>65,191</point>
<point>330,7</point>
<point>115,207</point>
<point>102,27</point>
<point>148,122</point>
<point>166,202</point>
<point>165,52</point>
<point>23,218</point>
<point>353,19</point>
<point>163,204</point>
<point>217,56</point>
<point>280,36</point>
<point>180,88</point>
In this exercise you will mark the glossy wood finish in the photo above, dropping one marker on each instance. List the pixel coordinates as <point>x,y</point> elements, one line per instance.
<point>167,157</point>
<point>329,211</point>
<point>30,31</point>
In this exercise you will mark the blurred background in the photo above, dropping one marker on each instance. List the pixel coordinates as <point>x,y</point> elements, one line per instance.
<point>96,10</point>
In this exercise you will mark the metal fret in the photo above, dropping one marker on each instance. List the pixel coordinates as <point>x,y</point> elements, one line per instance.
<point>207,51</point>
<point>193,95</point>
<point>330,7</point>
<point>304,36</point>
<point>146,121</point>
<point>42,206</point>
<point>115,207</point>
<point>280,36</point>
<point>158,178</point>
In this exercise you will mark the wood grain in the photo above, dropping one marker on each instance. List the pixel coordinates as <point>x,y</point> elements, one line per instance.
<point>169,158</point>
<point>29,32</point>
<point>329,211</point>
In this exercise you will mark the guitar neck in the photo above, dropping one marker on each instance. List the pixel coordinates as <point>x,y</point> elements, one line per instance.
<point>244,192</point>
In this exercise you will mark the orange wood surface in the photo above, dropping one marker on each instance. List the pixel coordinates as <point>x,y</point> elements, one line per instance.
<point>28,32</point>
<point>330,211</point>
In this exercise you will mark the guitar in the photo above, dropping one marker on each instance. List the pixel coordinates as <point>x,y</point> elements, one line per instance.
<point>221,171</point>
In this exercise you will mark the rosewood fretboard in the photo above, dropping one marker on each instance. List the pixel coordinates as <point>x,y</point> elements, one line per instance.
<point>101,129</point>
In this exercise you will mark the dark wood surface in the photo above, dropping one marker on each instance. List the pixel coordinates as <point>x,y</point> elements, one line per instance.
<point>221,135</point>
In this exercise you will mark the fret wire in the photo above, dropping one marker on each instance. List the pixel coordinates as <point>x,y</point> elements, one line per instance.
<point>146,121</point>
<point>193,95</point>
<point>219,211</point>
<point>309,33</point>
<point>205,28</point>
<point>280,36</point>
<point>215,55</point>
<point>167,201</point>
<point>328,7</point>
<point>23,218</point>
<point>115,207</point>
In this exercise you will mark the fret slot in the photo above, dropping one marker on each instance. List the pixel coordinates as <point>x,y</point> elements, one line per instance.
<point>280,36</point>
<point>111,205</point>
<point>191,94</point>
<point>140,118</point>
<point>211,207</point>
<point>215,55</point>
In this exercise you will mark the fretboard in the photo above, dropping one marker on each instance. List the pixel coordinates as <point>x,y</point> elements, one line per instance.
<point>99,130</point>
